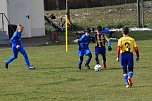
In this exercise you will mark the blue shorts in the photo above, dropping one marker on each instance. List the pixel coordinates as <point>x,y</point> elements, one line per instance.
<point>126,59</point>
<point>83,51</point>
<point>100,50</point>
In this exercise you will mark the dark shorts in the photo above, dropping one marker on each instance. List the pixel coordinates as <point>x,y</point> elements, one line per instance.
<point>102,51</point>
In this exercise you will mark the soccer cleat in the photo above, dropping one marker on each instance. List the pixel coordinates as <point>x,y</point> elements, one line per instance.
<point>88,67</point>
<point>31,67</point>
<point>6,65</point>
<point>130,82</point>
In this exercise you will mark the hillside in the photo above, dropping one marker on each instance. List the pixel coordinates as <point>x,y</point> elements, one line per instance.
<point>110,16</point>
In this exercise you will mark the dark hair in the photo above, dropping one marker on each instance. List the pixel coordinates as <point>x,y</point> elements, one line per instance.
<point>88,30</point>
<point>99,28</point>
<point>125,30</point>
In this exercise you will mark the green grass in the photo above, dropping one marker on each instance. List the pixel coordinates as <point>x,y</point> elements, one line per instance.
<point>56,77</point>
<point>110,16</point>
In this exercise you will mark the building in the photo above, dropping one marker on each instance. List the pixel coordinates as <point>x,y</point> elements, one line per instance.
<point>30,13</point>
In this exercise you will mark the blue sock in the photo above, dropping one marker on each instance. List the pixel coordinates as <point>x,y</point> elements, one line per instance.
<point>80,63</point>
<point>130,74</point>
<point>88,60</point>
<point>126,78</point>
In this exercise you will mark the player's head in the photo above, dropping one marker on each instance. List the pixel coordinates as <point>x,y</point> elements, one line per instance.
<point>88,31</point>
<point>99,29</point>
<point>20,28</point>
<point>125,31</point>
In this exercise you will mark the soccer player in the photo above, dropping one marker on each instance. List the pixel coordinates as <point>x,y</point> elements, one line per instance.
<point>18,47</point>
<point>126,46</point>
<point>83,48</point>
<point>100,39</point>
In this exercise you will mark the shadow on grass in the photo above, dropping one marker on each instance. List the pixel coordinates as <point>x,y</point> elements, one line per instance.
<point>115,68</point>
<point>9,94</point>
<point>142,86</point>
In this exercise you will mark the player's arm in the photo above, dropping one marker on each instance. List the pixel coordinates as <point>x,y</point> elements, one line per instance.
<point>105,30</point>
<point>80,41</point>
<point>109,43</point>
<point>93,39</point>
<point>136,50</point>
<point>14,37</point>
<point>118,50</point>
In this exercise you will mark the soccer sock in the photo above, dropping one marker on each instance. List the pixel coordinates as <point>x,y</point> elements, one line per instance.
<point>89,58</point>
<point>126,78</point>
<point>130,74</point>
<point>96,59</point>
<point>80,61</point>
<point>104,64</point>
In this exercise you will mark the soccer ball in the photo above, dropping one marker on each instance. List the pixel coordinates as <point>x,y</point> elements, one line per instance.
<point>97,68</point>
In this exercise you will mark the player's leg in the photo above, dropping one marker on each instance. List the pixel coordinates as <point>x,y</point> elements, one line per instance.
<point>104,60</point>
<point>125,75</point>
<point>23,52</point>
<point>103,53</point>
<point>89,54</point>
<point>96,58</point>
<point>88,60</point>
<point>80,62</point>
<point>123,62</point>
<point>130,75</point>
<point>96,54</point>
<point>15,54</point>
<point>80,54</point>
<point>130,68</point>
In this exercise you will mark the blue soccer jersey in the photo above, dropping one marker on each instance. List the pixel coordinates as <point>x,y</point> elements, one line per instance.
<point>16,38</point>
<point>83,45</point>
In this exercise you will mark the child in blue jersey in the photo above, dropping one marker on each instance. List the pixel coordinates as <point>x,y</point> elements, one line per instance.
<point>100,39</point>
<point>18,47</point>
<point>83,48</point>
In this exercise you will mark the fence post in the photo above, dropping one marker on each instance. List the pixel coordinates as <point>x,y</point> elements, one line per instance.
<point>138,13</point>
<point>143,14</point>
<point>67,9</point>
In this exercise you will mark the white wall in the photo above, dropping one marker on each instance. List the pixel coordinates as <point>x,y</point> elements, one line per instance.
<point>3,9</point>
<point>18,11</point>
<point>37,18</point>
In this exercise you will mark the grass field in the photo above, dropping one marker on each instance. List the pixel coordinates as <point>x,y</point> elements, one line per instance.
<point>56,77</point>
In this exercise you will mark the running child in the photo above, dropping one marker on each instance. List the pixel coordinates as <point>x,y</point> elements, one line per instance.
<point>18,47</point>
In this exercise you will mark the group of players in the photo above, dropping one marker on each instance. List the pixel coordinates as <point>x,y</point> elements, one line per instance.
<point>126,47</point>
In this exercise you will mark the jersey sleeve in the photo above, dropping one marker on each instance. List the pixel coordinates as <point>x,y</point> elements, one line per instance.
<point>106,30</point>
<point>106,37</point>
<point>134,43</point>
<point>13,38</point>
<point>82,38</point>
<point>119,42</point>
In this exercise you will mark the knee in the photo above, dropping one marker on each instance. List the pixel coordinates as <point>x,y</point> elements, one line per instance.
<point>15,57</point>
<point>90,55</point>
<point>81,59</point>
